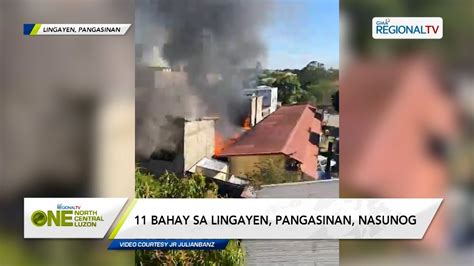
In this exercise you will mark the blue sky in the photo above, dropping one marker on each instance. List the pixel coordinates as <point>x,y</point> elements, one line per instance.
<point>301,31</point>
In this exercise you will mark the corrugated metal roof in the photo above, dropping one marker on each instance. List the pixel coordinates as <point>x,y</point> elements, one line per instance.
<point>211,164</point>
<point>289,131</point>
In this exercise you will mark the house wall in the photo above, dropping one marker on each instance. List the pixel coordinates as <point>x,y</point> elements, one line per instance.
<point>258,109</point>
<point>253,111</point>
<point>198,141</point>
<point>274,99</point>
<point>243,165</point>
<point>269,94</point>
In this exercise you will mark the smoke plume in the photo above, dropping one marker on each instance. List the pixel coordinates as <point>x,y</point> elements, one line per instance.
<point>212,41</point>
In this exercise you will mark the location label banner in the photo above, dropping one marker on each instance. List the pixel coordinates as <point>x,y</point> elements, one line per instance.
<point>34,29</point>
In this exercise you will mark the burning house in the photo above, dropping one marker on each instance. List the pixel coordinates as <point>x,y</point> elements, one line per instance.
<point>229,185</point>
<point>203,46</point>
<point>193,141</point>
<point>288,137</point>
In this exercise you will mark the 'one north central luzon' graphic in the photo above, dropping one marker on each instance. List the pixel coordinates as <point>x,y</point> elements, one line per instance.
<point>67,215</point>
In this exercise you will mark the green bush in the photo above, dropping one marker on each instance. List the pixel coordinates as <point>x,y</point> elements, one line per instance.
<point>170,186</point>
<point>268,172</point>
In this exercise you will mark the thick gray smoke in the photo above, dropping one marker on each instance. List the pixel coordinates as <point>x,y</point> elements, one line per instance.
<point>208,35</point>
<point>214,37</point>
<point>213,42</point>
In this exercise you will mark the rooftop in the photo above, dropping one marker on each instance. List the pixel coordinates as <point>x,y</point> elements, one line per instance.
<point>211,164</point>
<point>290,130</point>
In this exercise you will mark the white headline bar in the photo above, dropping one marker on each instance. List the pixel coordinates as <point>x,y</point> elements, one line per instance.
<point>279,219</point>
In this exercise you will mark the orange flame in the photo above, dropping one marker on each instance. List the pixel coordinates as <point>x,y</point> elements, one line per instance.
<point>246,124</point>
<point>218,143</point>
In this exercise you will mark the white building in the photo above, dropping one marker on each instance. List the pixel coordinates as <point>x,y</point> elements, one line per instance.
<point>269,94</point>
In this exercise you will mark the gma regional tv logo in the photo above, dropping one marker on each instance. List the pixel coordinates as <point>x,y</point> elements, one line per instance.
<point>66,215</point>
<point>407,28</point>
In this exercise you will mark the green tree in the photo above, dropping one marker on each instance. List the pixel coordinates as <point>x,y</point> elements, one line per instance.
<point>312,74</point>
<point>270,172</point>
<point>333,74</point>
<point>312,84</point>
<point>289,87</point>
<point>170,186</point>
<point>321,92</point>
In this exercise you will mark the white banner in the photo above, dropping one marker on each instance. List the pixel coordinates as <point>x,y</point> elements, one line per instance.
<point>277,219</point>
<point>75,29</point>
<point>70,217</point>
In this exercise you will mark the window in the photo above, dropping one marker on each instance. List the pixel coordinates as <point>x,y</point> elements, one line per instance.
<point>291,164</point>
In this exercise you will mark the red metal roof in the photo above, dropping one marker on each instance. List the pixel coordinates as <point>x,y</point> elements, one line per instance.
<point>288,131</point>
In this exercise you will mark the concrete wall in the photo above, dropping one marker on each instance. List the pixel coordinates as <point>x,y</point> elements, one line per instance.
<point>291,252</point>
<point>253,111</point>
<point>256,110</point>
<point>295,252</point>
<point>270,95</point>
<point>198,141</point>
<point>274,100</point>
<point>310,189</point>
